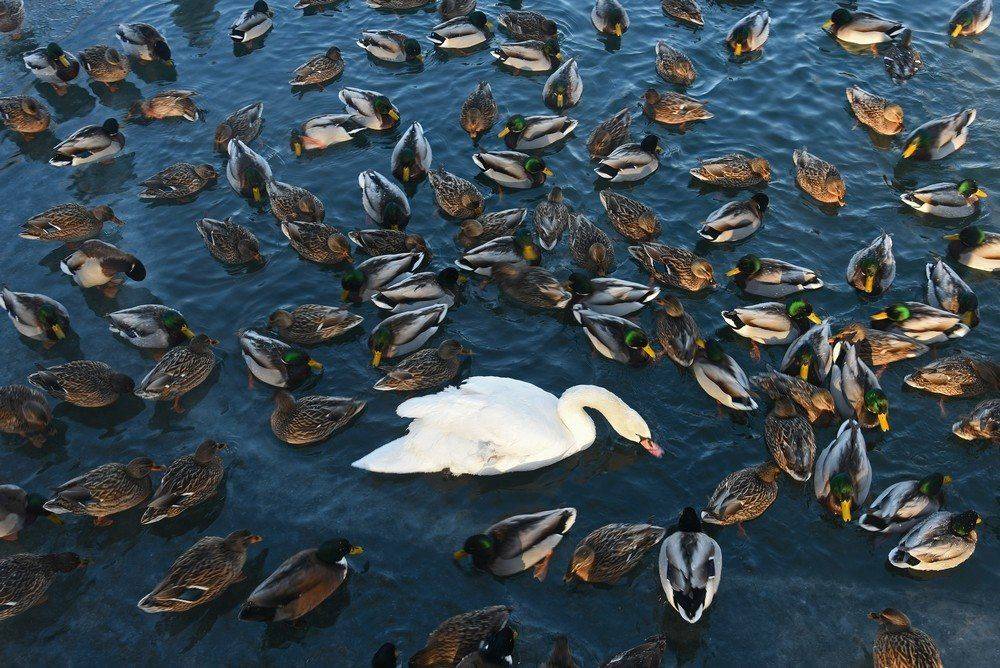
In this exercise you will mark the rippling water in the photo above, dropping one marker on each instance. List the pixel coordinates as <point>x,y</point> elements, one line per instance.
<point>796,591</point>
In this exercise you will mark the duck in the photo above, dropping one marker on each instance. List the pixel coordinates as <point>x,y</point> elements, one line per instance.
<point>319,70</point>
<point>631,162</point>
<point>964,375</point>
<point>818,178</point>
<point>402,333</point>
<point>843,475</point>
<point>189,480</point>
<point>477,231</point>
<point>877,113</point>
<point>179,371</point>
<point>300,583</point>
<point>609,134</point>
<point>151,326</point>
<point>940,137</point>
<point>179,182</point>
<point>459,636</point>
<point>370,108</point>
<point>27,578</point>
<point>615,337</point>
<point>387,242</point>
<point>396,5</point>
<point>673,108</point>
<point>872,269</point>
<point>144,42</point>
<point>743,495</point>
<point>534,132</point>
<point>856,390</point>
<point>971,18</point>
<point>560,656</point>
<point>317,242</point>
<point>814,401</point>
<point>244,124</point>
<point>905,503</point>
<point>247,171</point>
<point>275,362</point>
<point>526,25</point>
<point>897,643</point>
<point>941,541</point>
<point>52,65</point>
<point>311,324</point>
<point>564,87</point>
<point>721,377</point>
<point>496,651</point>
<point>202,573</point>
<point>104,64</point>
<point>551,218</point>
<point>449,9</point>
<point>390,46</point>
<point>252,24</point>
<point>609,17</point>
<point>811,356</point>
<point>771,323</point>
<point>690,567</point>
<point>88,144</point>
<point>648,653</point>
<point>861,27</point>
<point>527,427</point>
<point>946,200</point>
<point>12,18</point>
<point>25,413</point>
<point>674,267</point>
<point>749,33</point>
<point>530,55</point>
<point>976,248</point>
<point>590,247</point>
<point>377,273</point>
<point>386,656</point>
<point>518,543</point>
<point>311,419</point>
<point>921,322</point>
<point>412,155</point>
<point>609,295</point>
<point>735,221</point>
<point>292,204</point>
<point>96,263</point>
<point>733,170</point>
<point>84,383</point>
<point>462,32</point>
<point>788,435</point>
<point>24,114</point>
<point>982,422</point>
<point>512,169</point>
<point>633,220</point>
<point>18,509</point>
<point>479,111</point>
<point>533,286</point>
<point>230,242</point>
<point>774,279</point>
<point>686,11</point>
<point>677,331</point>
<point>673,65</point>
<point>384,202</point>
<point>167,104</point>
<point>609,553</point>
<point>107,490</point>
<point>879,348</point>
<point>35,316</point>
<point>455,196</point>
<point>425,369</point>
<point>900,59</point>
<point>410,291</point>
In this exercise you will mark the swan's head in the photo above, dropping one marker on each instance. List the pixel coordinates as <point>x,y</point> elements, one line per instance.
<point>629,424</point>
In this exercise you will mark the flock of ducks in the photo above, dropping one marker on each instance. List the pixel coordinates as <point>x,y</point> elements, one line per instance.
<point>492,425</point>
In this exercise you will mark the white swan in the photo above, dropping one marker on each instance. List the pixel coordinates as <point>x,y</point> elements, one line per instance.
<point>493,425</point>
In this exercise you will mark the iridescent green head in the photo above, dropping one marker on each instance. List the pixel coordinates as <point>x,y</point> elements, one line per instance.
<point>334,551</point>
<point>931,485</point>
<point>480,547</point>
<point>965,523</point>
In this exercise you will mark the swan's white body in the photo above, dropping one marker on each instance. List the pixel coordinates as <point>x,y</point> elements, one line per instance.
<point>492,425</point>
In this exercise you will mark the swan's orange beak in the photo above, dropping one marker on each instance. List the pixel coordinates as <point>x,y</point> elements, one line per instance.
<point>651,447</point>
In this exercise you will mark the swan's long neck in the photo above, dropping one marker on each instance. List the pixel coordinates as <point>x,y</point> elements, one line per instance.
<point>575,399</point>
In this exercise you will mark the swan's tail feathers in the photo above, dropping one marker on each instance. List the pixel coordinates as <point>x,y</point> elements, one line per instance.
<point>398,457</point>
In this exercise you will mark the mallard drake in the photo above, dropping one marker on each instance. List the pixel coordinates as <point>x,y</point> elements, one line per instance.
<point>85,383</point>
<point>680,267</point>
<point>962,375</point>
<point>530,55</point>
<point>673,65</point>
<point>775,279</point>
<point>872,269</point>
<point>379,272</point>
<point>300,583</point>
<point>319,70</point>
<point>721,377</point>
<point>462,32</point>
<point>533,286</point>
<point>677,331</point>
<point>201,573</point>
<point>167,104</point>
<point>631,162</point>
<point>105,491</point>
<point>292,204</point>
<point>18,509</point>
<point>612,296</point>
<point>96,263</point>
<point>905,503</point>
<point>495,650</point>
<point>449,9</point>
<point>526,25</point>
<point>814,401</point>
<point>733,171</point>
<point>900,59</point>
<point>971,18</point>
<point>687,11</point>
<point>610,134</point>
<point>534,132</point>
<point>921,322</point>
<point>410,291</point>
<point>370,108</point>
<point>25,413</point>
<point>425,369</point>
<point>253,23</point>
<point>458,636</point>
<point>818,178</point>
<point>188,481</point>
<point>405,332</point>
<point>477,231</point>
<point>411,156</point>
<point>982,422</point>
<point>788,435</point>
<point>673,108</point>
<point>810,357</point>
<point>229,242</point>
<point>856,390</point>
<point>743,495</point>
<point>772,323</point>
<point>390,46</point>
<point>247,171</point>
<point>143,41</point>
<point>648,653</point>
<point>590,247</point>
<point>275,362</point>
<point>882,116</point>
<point>564,87</point>
<point>180,182</point>
<point>879,348</point>
<point>976,248</point>
<point>317,242</point>
<point>53,66</point>
<point>68,223</point>
<point>12,18</point>
<point>312,418</point>
<point>244,124</point>
<point>179,371</point>
<point>749,33</point>
<point>89,143</point>
<point>946,200</point>
<point>609,17</point>
<point>387,242</point>
<point>610,552</point>
<point>940,137</point>
<point>104,64</point>
<point>27,577</point>
<point>519,248</point>
<point>512,169</point>
<point>24,114</point>
<point>633,220</point>
<point>36,316</point>
<point>479,111</point>
<point>310,324</point>
<point>735,221</point>
<point>551,218</point>
<point>861,27</point>
<point>941,541</point>
<point>843,474</point>
<point>899,644</point>
<point>455,196</point>
<point>690,567</point>
<point>518,543</point>
<point>384,202</point>
<point>150,326</point>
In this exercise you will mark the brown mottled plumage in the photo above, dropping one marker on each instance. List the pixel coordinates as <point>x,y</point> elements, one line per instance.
<point>320,69</point>
<point>317,242</point>
<point>561,657</point>
<point>790,440</point>
<point>24,579</point>
<point>460,635</point>
<point>673,65</point>
<point>455,196</point>
<point>743,495</point>
<point>676,331</point>
<point>188,481</point>
<point>733,171</point>
<point>388,242</point>
<point>85,383</point>
<point>424,369</point>
<point>611,551</point>
<point>294,204</point>
<point>24,114</point>
<point>877,347</point>
<point>957,376</point>
<point>479,111</point>
<point>590,247</point>
<point>672,108</point>
<point>982,422</point>
<point>68,223</point>
<point>244,124</point>
<point>105,491</point>
<point>674,267</point>
<point>610,134</point>
<point>167,104</point>
<point>229,242</point>
<point>489,226</point>
<point>104,64</point>
<point>899,645</point>
<point>818,178</point>
<point>633,220</point>
<point>179,371</point>
<point>24,412</point>
<point>311,419</point>
<point>815,401</point>
<point>876,112</point>
<point>310,324</point>
<point>180,181</point>
<point>532,286</point>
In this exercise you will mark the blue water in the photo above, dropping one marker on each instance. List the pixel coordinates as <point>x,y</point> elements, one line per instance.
<point>795,592</point>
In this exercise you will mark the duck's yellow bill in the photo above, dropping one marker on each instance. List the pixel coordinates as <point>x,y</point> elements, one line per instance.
<point>733,272</point>
<point>881,315</point>
<point>828,24</point>
<point>559,100</point>
<point>946,480</point>
<point>738,49</point>
<point>503,133</point>
<point>376,358</point>
<point>957,30</point>
<point>883,422</point>
<point>804,371</point>
<point>256,193</point>
<point>649,351</point>
<point>869,283</point>
<point>393,114</point>
<point>618,30</point>
<point>530,253</point>
<point>313,364</point>
<point>813,318</point>
<point>64,61</point>
<point>406,174</point>
<point>547,171</point>
<point>345,295</point>
<point>58,331</point>
<point>186,331</point>
<point>55,519</point>
<point>700,343</point>
<point>981,193</point>
<point>845,511</point>
<point>297,147</point>
<point>460,554</point>
<point>968,318</point>
<point>950,237</point>
<point>356,550</point>
<point>910,150</point>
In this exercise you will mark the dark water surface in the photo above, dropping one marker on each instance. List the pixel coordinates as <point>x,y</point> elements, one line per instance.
<point>795,593</point>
